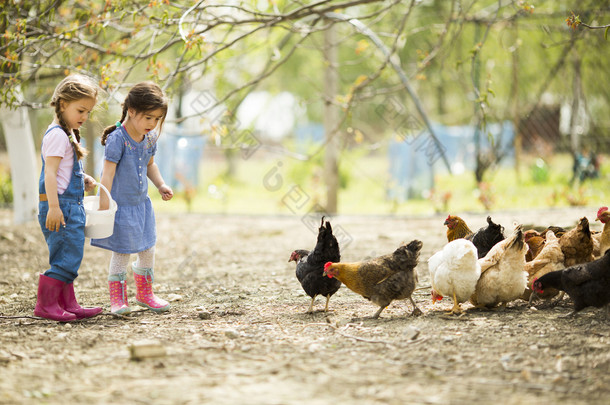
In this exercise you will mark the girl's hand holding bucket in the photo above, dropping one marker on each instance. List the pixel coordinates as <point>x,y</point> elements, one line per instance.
<point>100,222</point>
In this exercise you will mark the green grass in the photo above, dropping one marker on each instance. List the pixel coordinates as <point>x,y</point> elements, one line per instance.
<point>283,186</point>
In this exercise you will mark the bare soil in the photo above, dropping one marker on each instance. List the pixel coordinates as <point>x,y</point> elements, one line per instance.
<point>238,333</point>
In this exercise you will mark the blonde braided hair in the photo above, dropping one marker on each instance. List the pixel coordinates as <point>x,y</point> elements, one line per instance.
<point>72,88</point>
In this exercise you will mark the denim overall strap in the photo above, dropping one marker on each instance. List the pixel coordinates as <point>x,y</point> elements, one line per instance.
<point>66,246</point>
<point>76,187</point>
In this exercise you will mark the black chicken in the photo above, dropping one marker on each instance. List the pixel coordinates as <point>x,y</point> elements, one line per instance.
<point>310,265</point>
<point>485,238</point>
<point>588,284</point>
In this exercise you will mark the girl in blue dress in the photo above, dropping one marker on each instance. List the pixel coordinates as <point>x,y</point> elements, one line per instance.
<point>129,161</point>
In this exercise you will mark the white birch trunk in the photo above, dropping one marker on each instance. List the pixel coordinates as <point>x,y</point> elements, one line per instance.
<point>24,168</point>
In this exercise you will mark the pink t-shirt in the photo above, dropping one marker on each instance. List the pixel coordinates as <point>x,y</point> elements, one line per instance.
<point>56,143</point>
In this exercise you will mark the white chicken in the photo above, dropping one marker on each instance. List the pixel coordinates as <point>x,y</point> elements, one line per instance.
<point>503,278</point>
<point>454,272</point>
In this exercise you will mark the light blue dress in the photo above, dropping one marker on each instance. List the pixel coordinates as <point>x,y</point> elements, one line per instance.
<point>134,222</point>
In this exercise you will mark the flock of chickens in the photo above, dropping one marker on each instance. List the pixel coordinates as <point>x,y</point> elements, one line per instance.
<point>485,267</point>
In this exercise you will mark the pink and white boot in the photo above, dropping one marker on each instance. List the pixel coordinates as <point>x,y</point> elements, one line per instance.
<point>144,278</point>
<point>118,294</point>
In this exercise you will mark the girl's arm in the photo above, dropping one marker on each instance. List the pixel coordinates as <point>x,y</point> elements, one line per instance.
<point>107,178</point>
<point>154,174</point>
<point>55,218</point>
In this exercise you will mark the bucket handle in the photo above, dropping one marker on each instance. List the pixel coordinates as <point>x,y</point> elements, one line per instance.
<point>102,187</point>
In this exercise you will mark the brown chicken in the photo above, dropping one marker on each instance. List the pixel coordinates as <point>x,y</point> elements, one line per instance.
<point>549,259</point>
<point>557,230</point>
<point>483,239</point>
<point>456,228</point>
<point>382,279</point>
<point>576,244</point>
<point>603,215</point>
<point>503,278</point>
<point>535,243</point>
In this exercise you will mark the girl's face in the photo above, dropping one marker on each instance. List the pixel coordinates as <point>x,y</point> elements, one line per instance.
<point>144,122</point>
<point>75,113</point>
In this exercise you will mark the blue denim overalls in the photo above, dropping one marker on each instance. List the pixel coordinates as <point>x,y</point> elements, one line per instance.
<point>66,247</point>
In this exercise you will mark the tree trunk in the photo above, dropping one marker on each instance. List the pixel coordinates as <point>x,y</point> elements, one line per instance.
<point>514,94</point>
<point>24,169</point>
<point>331,120</point>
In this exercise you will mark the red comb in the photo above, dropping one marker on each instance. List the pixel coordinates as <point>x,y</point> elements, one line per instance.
<point>601,210</point>
<point>327,265</point>
<point>448,217</point>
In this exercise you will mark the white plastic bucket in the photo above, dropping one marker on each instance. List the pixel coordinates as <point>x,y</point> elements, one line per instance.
<point>99,224</point>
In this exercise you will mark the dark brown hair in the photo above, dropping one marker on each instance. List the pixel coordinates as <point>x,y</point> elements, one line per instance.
<point>73,88</point>
<point>143,97</point>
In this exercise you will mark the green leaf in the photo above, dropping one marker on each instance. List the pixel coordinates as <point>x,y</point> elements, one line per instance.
<point>606,33</point>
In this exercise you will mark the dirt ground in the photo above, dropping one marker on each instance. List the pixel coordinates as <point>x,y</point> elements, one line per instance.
<point>238,333</point>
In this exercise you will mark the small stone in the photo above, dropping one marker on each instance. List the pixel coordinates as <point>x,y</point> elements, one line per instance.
<point>205,315</point>
<point>314,347</point>
<point>411,333</point>
<point>174,297</point>
<point>145,349</point>
<point>231,334</point>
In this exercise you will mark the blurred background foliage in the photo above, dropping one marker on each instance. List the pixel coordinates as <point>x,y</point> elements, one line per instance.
<point>249,78</point>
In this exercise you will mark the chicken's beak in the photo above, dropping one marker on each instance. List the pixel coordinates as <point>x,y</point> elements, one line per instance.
<point>597,219</point>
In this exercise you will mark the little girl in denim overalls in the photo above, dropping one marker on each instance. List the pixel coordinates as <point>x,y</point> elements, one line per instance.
<point>61,212</point>
<point>130,147</point>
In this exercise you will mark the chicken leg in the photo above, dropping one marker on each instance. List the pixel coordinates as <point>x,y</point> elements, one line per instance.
<point>416,310</point>
<point>327,300</point>
<point>310,310</point>
<point>378,312</point>
<point>456,310</point>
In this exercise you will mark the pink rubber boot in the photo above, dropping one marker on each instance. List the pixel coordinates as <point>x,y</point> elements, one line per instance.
<point>118,294</point>
<point>47,305</point>
<point>67,300</point>
<point>144,278</point>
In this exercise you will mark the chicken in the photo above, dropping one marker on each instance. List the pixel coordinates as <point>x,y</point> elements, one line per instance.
<point>557,230</point>
<point>503,278</point>
<point>576,244</point>
<point>603,215</point>
<point>587,284</point>
<point>310,265</point>
<point>485,238</point>
<point>535,243</point>
<point>382,279</point>
<point>549,259</point>
<point>454,271</point>
<point>456,228</point>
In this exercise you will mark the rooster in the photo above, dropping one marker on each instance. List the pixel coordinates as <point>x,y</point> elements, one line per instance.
<point>576,244</point>
<point>587,284</point>
<point>603,215</point>
<point>484,239</point>
<point>382,279</point>
<point>310,266</point>
<point>454,271</point>
<point>503,278</point>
